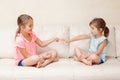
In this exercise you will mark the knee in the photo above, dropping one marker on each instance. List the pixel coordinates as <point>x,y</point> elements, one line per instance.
<point>53,53</point>
<point>94,56</point>
<point>35,58</point>
<point>76,49</point>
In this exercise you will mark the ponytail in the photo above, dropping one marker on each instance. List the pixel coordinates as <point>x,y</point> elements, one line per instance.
<point>106,31</point>
<point>18,31</point>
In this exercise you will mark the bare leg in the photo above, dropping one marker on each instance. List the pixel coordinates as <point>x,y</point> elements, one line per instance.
<point>80,54</point>
<point>53,57</point>
<point>42,59</point>
<point>31,60</point>
<point>95,58</point>
<point>77,54</point>
<point>87,62</point>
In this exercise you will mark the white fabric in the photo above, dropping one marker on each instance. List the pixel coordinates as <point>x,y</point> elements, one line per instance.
<point>47,32</point>
<point>64,69</point>
<point>7,42</point>
<point>112,47</point>
<point>117,36</point>
<point>84,44</point>
<point>76,30</point>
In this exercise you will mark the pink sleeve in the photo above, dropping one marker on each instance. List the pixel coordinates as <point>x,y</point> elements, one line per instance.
<point>20,42</point>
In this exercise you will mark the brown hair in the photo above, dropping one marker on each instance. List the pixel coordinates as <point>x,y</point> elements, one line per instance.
<point>100,23</point>
<point>22,20</point>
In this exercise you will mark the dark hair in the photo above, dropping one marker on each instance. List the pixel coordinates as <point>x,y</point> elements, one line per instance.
<point>100,23</point>
<point>22,20</point>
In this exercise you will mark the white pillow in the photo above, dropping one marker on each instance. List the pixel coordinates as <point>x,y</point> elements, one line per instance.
<point>117,34</point>
<point>7,42</point>
<point>84,44</point>
<point>76,30</point>
<point>111,51</point>
<point>47,32</point>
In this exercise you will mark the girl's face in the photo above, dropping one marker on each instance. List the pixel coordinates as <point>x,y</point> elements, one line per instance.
<point>28,27</point>
<point>94,30</point>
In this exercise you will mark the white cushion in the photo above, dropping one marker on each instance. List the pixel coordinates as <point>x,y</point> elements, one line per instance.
<point>84,44</point>
<point>64,69</point>
<point>108,70</point>
<point>76,30</point>
<point>47,32</point>
<point>117,36</point>
<point>7,42</point>
<point>111,50</point>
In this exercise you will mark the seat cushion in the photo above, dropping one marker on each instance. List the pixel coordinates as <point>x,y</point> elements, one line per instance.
<point>7,69</point>
<point>64,69</point>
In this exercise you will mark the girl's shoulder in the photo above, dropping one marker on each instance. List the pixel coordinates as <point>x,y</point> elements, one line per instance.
<point>19,38</point>
<point>103,38</point>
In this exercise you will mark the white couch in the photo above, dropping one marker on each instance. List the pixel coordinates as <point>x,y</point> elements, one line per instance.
<point>66,68</point>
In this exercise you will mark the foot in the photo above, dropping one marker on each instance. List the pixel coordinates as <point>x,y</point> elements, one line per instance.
<point>39,64</point>
<point>75,58</point>
<point>87,62</point>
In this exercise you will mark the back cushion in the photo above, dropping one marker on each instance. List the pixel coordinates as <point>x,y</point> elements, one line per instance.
<point>111,50</point>
<point>84,44</point>
<point>76,30</point>
<point>47,32</point>
<point>7,42</point>
<point>117,34</point>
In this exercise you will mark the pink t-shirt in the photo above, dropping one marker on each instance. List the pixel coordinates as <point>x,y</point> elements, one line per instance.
<point>30,46</point>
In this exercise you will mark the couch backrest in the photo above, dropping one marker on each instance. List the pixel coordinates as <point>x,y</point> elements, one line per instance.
<point>117,37</point>
<point>7,42</point>
<point>45,32</point>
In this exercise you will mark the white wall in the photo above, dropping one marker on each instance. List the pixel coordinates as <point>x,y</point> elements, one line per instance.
<point>59,11</point>
<point>52,12</point>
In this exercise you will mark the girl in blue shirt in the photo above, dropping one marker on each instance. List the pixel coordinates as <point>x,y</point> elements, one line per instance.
<point>98,42</point>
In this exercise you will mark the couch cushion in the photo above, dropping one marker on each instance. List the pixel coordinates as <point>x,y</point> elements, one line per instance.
<point>84,44</point>
<point>7,69</point>
<point>7,42</point>
<point>46,32</point>
<point>64,69</point>
<point>106,71</point>
<point>117,36</point>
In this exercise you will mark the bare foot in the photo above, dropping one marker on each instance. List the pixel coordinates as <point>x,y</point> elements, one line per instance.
<point>75,58</point>
<point>39,64</point>
<point>87,62</point>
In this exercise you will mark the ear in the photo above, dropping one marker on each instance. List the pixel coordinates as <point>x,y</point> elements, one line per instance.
<point>101,29</point>
<point>22,27</point>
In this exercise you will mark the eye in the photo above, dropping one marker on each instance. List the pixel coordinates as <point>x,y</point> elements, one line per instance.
<point>30,26</point>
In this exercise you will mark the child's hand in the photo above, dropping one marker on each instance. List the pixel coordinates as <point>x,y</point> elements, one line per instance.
<point>67,41</point>
<point>56,39</point>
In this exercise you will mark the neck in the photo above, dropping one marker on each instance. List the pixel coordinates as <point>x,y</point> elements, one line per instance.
<point>25,34</point>
<point>98,35</point>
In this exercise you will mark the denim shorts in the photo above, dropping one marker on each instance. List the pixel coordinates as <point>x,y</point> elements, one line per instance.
<point>101,61</point>
<point>20,63</point>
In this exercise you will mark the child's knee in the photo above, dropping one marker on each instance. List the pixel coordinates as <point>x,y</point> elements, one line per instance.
<point>76,49</point>
<point>53,53</point>
<point>94,56</point>
<point>35,58</point>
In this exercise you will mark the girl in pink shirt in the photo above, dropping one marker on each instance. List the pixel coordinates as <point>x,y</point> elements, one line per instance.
<point>25,46</point>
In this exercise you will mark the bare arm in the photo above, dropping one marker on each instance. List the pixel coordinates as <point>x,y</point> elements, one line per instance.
<point>79,37</point>
<point>24,52</point>
<point>101,47</point>
<point>45,43</point>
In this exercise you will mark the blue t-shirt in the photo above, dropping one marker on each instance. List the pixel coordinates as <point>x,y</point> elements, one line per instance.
<point>95,43</point>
